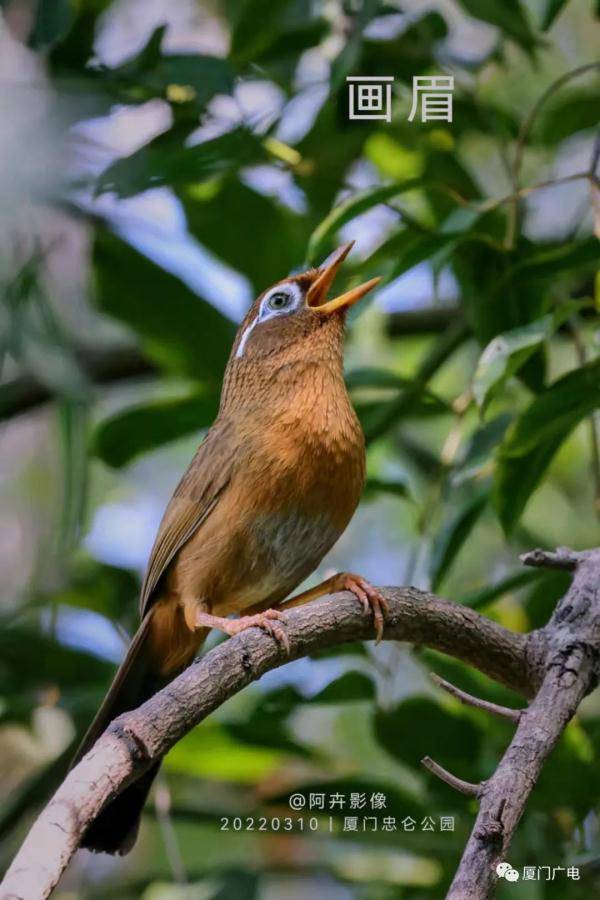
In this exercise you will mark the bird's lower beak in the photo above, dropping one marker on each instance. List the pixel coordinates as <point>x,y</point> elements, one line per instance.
<point>316,297</point>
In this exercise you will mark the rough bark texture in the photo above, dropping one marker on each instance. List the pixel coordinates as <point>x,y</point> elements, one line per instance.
<point>137,738</point>
<point>556,666</point>
<point>571,642</point>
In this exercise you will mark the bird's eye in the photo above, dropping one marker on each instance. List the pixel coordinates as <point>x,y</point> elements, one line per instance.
<point>279,301</point>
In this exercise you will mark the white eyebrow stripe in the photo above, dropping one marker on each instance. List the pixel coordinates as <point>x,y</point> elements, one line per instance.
<point>244,338</point>
<point>266,313</point>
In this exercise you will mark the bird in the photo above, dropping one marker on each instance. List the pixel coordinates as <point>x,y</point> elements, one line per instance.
<point>271,488</point>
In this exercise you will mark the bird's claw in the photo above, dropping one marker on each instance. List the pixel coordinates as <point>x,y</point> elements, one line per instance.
<point>371,599</point>
<point>268,621</point>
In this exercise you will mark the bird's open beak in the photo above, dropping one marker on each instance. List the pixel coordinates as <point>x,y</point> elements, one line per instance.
<point>316,297</point>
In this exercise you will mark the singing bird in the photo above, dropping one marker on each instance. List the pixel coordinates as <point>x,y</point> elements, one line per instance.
<point>271,488</point>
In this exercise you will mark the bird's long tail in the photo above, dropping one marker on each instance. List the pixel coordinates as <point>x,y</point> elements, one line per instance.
<point>148,666</point>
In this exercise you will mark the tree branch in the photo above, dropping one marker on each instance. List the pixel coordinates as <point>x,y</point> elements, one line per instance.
<point>503,712</point>
<point>25,393</point>
<point>572,665</point>
<point>134,740</point>
<point>464,787</point>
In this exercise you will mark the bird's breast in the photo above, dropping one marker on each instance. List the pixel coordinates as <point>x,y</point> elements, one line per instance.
<point>295,484</point>
<point>287,545</point>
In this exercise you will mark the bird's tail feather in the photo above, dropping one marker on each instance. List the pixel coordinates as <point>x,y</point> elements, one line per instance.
<point>138,678</point>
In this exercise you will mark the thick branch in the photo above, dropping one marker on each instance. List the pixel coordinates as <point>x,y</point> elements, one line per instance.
<point>135,739</point>
<point>572,663</point>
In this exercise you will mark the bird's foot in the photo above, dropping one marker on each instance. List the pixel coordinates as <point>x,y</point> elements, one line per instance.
<point>267,620</point>
<point>370,597</point>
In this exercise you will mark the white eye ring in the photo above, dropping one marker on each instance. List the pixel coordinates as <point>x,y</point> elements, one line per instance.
<point>293,296</point>
<point>281,300</point>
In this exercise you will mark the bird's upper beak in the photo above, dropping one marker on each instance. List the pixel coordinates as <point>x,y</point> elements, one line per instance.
<point>316,296</point>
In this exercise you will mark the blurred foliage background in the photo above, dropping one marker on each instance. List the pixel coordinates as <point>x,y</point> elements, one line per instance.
<point>161,164</point>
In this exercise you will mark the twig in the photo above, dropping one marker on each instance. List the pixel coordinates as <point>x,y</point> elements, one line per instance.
<point>563,558</point>
<point>542,100</point>
<point>137,738</point>
<point>464,787</point>
<point>517,194</point>
<point>523,136</point>
<point>504,712</point>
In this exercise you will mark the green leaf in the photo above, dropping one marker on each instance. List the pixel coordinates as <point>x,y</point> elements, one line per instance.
<point>508,15</point>
<point>374,486</point>
<point>22,647</point>
<point>480,448</point>
<point>492,592</point>
<point>348,688</point>
<point>167,161</point>
<point>533,439</point>
<point>248,38</point>
<point>501,302</point>
<point>451,537</point>
<point>418,250</point>
<point>370,377</point>
<point>211,752</point>
<point>349,209</point>
<point>410,399</point>
<point>544,262</point>
<point>178,329</point>
<point>287,27</point>
<point>505,355</point>
<point>72,51</point>
<point>410,730</point>
<point>572,111</point>
<point>383,381</point>
<point>551,9</point>
<point>266,723</point>
<point>237,223</point>
<point>378,418</point>
<point>53,20</point>
<point>128,434</point>
<point>403,55</point>
<point>153,74</point>
<point>104,589</point>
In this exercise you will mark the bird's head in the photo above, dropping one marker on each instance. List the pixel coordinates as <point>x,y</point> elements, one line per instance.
<point>296,314</point>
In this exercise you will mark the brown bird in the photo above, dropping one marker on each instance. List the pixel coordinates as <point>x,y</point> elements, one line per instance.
<point>271,488</point>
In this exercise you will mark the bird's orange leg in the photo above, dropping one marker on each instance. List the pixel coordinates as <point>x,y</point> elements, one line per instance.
<point>266,620</point>
<point>369,596</point>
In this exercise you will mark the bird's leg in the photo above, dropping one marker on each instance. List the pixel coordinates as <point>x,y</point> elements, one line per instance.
<point>267,620</point>
<point>369,596</point>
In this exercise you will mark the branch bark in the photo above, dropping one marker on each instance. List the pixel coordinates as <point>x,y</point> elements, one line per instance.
<point>571,668</point>
<point>133,741</point>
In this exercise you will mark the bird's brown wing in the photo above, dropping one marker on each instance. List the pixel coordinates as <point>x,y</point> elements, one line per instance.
<point>194,499</point>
